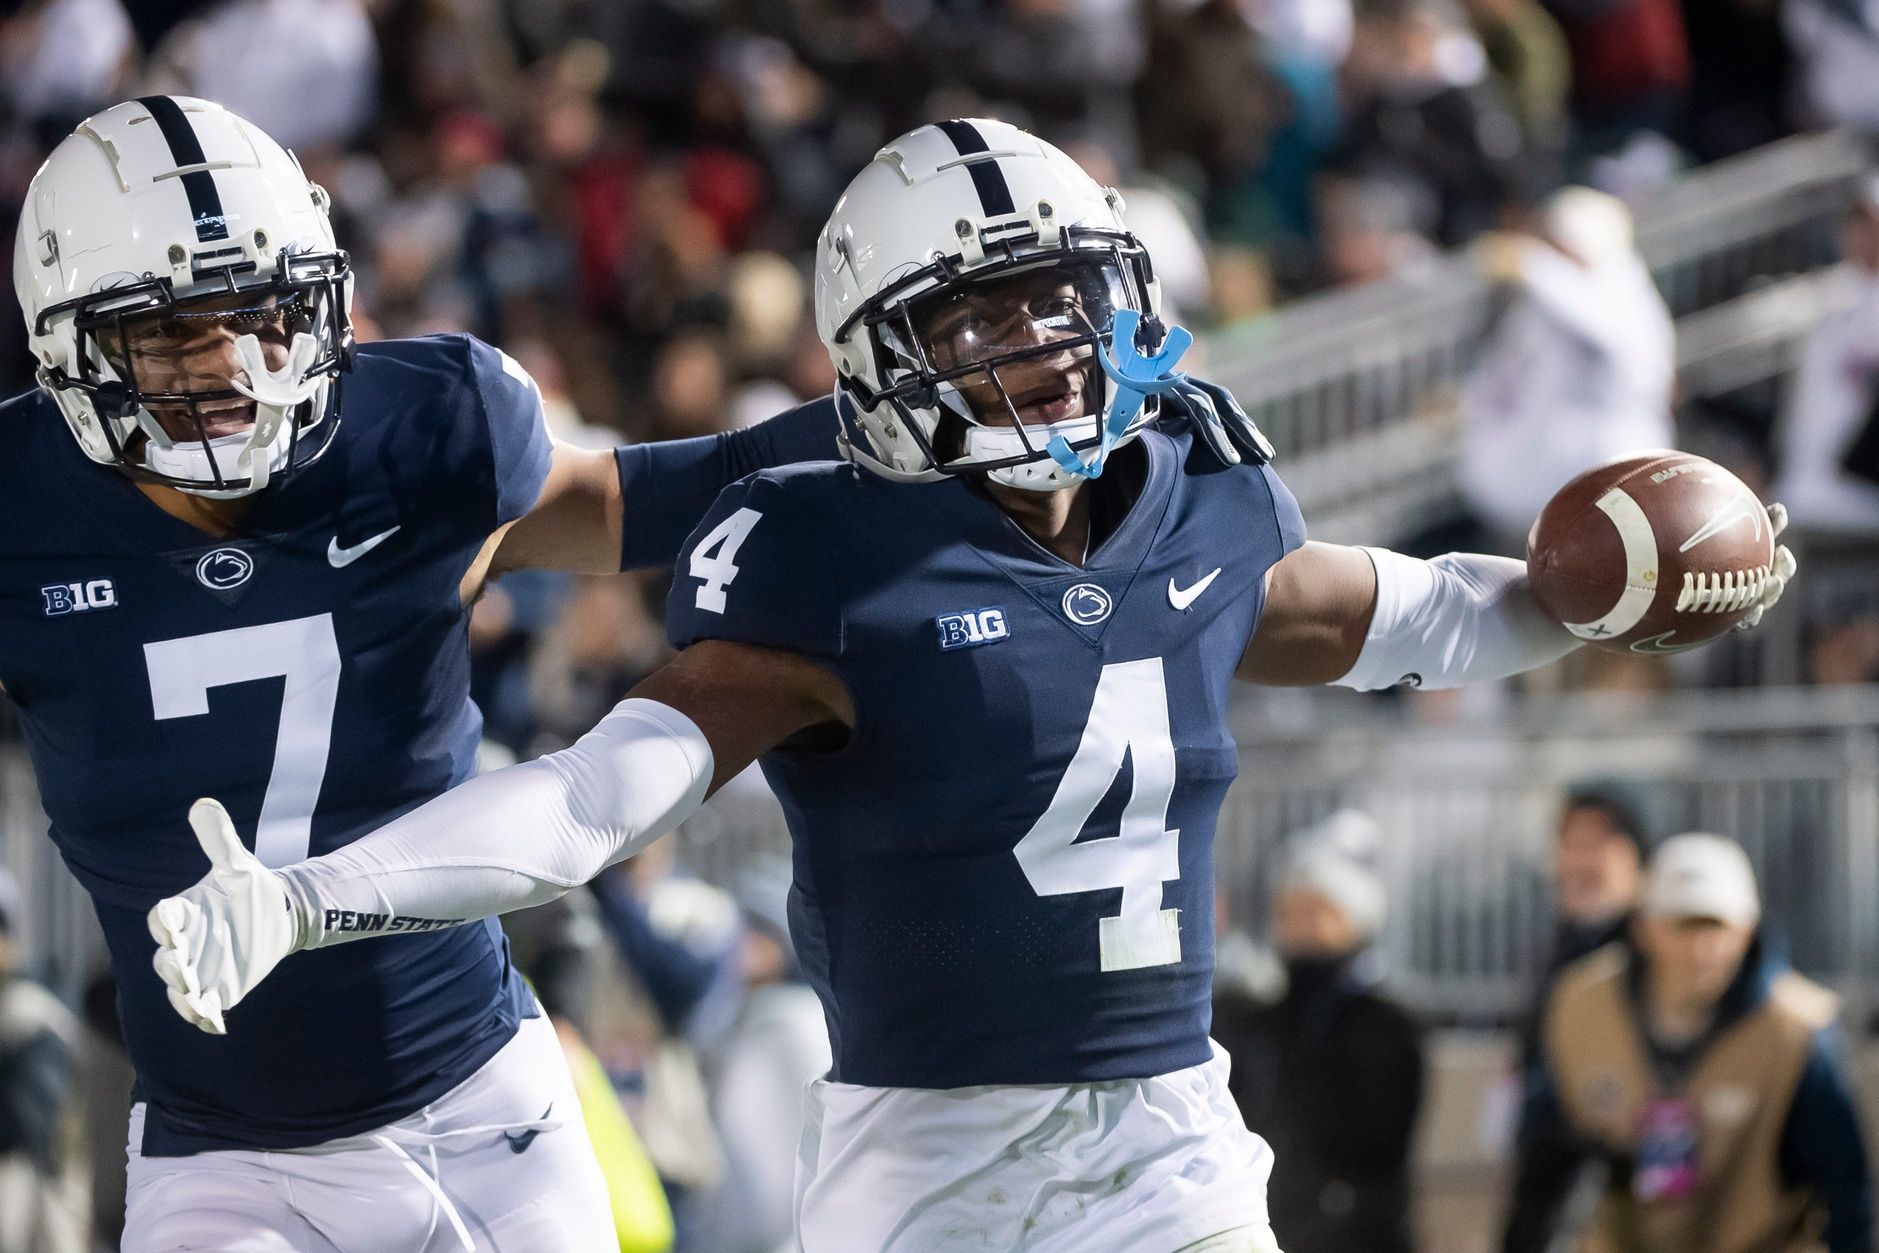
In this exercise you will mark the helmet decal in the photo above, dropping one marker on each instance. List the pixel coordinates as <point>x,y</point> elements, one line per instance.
<point>987,178</point>
<point>205,202</point>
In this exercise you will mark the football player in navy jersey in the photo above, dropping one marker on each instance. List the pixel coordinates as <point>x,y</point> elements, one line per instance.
<point>237,556</point>
<point>986,665</point>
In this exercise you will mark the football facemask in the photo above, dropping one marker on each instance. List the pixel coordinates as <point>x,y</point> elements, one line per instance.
<point>1010,357</point>
<point>273,348</point>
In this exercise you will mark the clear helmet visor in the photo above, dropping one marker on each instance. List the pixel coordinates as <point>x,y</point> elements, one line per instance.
<point>1022,311</point>
<point>1013,349</point>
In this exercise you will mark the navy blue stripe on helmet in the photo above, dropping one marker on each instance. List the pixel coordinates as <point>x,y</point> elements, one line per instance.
<point>205,202</point>
<point>994,191</point>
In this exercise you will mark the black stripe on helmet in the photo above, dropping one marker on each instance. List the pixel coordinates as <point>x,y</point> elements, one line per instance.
<point>205,202</point>
<point>994,191</point>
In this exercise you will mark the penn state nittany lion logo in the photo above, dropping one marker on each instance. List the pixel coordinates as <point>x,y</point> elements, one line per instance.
<point>1086,604</point>
<point>224,568</point>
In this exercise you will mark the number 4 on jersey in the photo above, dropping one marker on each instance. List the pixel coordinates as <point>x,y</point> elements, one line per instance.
<point>1129,718</point>
<point>714,560</point>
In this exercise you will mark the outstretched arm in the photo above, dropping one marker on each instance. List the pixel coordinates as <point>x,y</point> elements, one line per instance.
<point>1368,618</point>
<point>508,840</point>
<point>628,508</point>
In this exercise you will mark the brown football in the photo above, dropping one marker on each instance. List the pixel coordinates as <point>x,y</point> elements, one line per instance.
<point>1652,553</point>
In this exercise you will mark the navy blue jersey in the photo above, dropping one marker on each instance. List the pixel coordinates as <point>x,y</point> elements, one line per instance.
<point>312,673</point>
<point>1005,875</point>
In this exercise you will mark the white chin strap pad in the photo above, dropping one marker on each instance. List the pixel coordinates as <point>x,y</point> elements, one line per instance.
<point>996,443</point>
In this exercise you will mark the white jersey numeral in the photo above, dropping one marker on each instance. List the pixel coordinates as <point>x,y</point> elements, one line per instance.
<point>305,653</point>
<point>714,560</point>
<point>1129,718</point>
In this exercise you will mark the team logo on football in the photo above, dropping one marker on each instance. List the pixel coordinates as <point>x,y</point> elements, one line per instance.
<point>1086,604</point>
<point>224,568</point>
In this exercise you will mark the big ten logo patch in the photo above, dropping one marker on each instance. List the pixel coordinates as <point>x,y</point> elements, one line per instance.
<point>980,626</point>
<point>64,598</point>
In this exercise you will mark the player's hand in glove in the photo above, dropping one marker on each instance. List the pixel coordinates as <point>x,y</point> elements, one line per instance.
<point>218,939</point>
<point>1221,424</point>
<point>1779,571</point>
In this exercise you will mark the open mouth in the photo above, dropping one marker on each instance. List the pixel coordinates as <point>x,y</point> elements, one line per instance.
<point>207,421</point>
<point>1056,402</point>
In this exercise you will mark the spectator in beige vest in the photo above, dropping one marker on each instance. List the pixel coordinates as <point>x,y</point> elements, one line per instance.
<point>1706,1078</point>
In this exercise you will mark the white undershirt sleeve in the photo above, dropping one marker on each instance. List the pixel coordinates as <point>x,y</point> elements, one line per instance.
<point>514,838</point>
<point>1461,618</point>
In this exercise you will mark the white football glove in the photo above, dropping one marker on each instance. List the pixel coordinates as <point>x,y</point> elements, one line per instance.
<point>218,939</point>
<point>1779,572</point>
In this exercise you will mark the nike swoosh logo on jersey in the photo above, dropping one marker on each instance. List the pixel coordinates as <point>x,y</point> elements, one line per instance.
<point>1182,597</point>
<point>346,556</point>
<point>1737,509</point>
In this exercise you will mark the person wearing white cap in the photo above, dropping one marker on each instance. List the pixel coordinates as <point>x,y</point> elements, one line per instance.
<point>1708,1078</point>
<point>1332,1074</point>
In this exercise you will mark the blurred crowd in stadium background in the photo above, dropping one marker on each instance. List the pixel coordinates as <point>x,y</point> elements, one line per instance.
<point>624,194</point>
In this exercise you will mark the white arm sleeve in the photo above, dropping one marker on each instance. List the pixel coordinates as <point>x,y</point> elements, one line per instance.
<point>513,838</point>
<point>1458,619</point>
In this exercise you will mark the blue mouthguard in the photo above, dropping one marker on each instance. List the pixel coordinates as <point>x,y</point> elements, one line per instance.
<point>1137,376</point>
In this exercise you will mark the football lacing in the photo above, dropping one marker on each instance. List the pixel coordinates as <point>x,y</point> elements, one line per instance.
<point>1723,591</point>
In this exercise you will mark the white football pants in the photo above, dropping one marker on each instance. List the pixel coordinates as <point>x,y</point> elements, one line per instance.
<point>499,1164</point>
<point>1157,1165</point>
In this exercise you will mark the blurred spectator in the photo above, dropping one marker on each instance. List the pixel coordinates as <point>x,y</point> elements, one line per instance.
<point>59,61</point>
<point>1425,120</point>
<point>1210,103</point>
<point>1318,30</point>
<point>40,1211</point>
<point>556,946</point>
<point>1577,371</point>
<point>1599,850</point>
<point>778,1045</point>
<point>1836,47</point>
<point>1527,52</point>
<point>1630,69</point>
<point>1741,93</point>
<point>1829,434</point>
<point>1828,463</point>
<point>104,1084</point>
<point>1331,1075</point>
<point>1706,1078</point>
<point>679,938</point>
<point>300,70</point>
<point>605,639</point>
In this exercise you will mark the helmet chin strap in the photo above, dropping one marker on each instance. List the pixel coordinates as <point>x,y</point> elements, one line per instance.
<point>1000,443</point>
<point>263,448</point>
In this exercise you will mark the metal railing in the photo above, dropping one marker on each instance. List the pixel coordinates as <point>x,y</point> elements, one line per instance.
<point>1467,805</point>
<point>1355,388</point>
<point>1468,810</point>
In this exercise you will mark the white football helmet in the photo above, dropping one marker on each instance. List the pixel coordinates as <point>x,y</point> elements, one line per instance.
<point>966,249</point>
<point>171,208</point>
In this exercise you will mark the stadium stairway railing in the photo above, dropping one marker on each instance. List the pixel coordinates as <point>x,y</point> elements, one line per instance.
<point>1356,387</point>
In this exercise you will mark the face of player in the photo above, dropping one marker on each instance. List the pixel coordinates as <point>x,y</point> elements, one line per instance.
<point>1309,924</point>
<point>1692,960</point>
<point>1596,869</point>
<point>1016,313</point>
<point>193,350</point>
